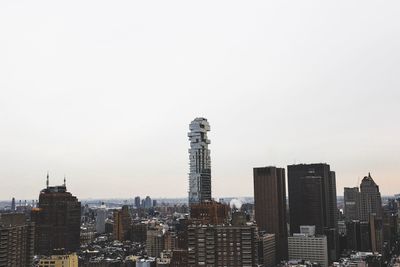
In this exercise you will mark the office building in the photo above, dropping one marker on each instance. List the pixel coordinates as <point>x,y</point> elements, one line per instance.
<point>70,260</point>
<point>270,205</point>
<point>370,199</point>
<point>137,202</point>
<point>57,219</point>
<point>267,250</point>
<point>101,216</point>
<point>200,162</point>
<point>351,203</point>
<point>16,240</point>
<point>308,246</point>
<point>312,201</point>
<point>122,224</point>
<point>147,203</point>
<point>212,245</point>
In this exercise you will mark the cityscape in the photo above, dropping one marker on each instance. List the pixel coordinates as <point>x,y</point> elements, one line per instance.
<point>213,133</point>
<point>308,226</point>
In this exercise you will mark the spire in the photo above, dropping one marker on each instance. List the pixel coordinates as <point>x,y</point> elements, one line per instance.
<point>47,180</point>
<point>65,181</point>
<point>369,175</point>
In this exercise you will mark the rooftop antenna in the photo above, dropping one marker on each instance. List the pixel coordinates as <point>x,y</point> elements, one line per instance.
<point>47,180</point>
<point>65,181</point>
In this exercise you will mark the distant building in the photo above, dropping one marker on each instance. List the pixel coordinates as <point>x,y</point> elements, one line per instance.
<point>211,245</point>
<point>137,202</point>
<point>13,204</point>
<point>308,246</point>
<point>371,202</point>
<point>139,232</point>
<point>57,220</point>
<point>148,203</point>
<point>154,203</point>
<point>70,260</point>
<point>16,240</point>
<point>270,205</point>
<point>122,224</point>
<point>155,241</point>
<point>312,201</point>
<point>351,203</point>
<point>101,216</point>
<point>200,162</point>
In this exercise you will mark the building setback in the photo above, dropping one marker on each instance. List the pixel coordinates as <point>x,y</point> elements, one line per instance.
<point>270,205</point>
<point>58,220</point>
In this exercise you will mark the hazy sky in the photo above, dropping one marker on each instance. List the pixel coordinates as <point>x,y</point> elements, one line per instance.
<point>104,91</point>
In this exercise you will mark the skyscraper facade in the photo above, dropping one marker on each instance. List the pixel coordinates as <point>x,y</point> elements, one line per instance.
<point>312,201</point>
<point>16,240</point>
<point>351,203</point>
<point>200,162</point>
<point>270,205</point>
<point>58,220</point>
<point>370,198</point>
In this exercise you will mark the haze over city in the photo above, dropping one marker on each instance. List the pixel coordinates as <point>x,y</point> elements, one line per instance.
<point>106,100</point>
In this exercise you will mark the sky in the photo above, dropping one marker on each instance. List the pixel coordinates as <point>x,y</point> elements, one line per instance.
<point>103,92</point>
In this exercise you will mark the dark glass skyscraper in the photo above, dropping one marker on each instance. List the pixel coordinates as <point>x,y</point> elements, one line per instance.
<point>351,203</point>
<point>270,205</point>
<point>312,201</point>
<point>57,219</point>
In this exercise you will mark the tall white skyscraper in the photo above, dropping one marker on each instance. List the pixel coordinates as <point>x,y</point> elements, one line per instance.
<point>200,162</point>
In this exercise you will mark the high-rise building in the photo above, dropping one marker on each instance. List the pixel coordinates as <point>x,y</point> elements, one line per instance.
<point>351,203</point>
<point>370,199</point>
<point>308,246</point>
<point>16,240</point>
<point>222,245</point>
<point>122,224</point>
<point>312,201</point>
<point>137,202</point>
<point>148,203</point>
<point>200,162</point>
<point>13,204</point>
<point>270,205</point>
<point>101,216</point>
<point>57,219</point>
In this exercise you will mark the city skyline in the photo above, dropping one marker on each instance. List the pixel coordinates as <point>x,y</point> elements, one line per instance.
<point>106,101</point>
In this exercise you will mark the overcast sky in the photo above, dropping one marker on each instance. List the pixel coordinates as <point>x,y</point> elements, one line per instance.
<point>104,91</point>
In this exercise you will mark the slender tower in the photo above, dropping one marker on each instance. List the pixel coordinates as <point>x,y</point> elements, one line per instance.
<point>200,162</point>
